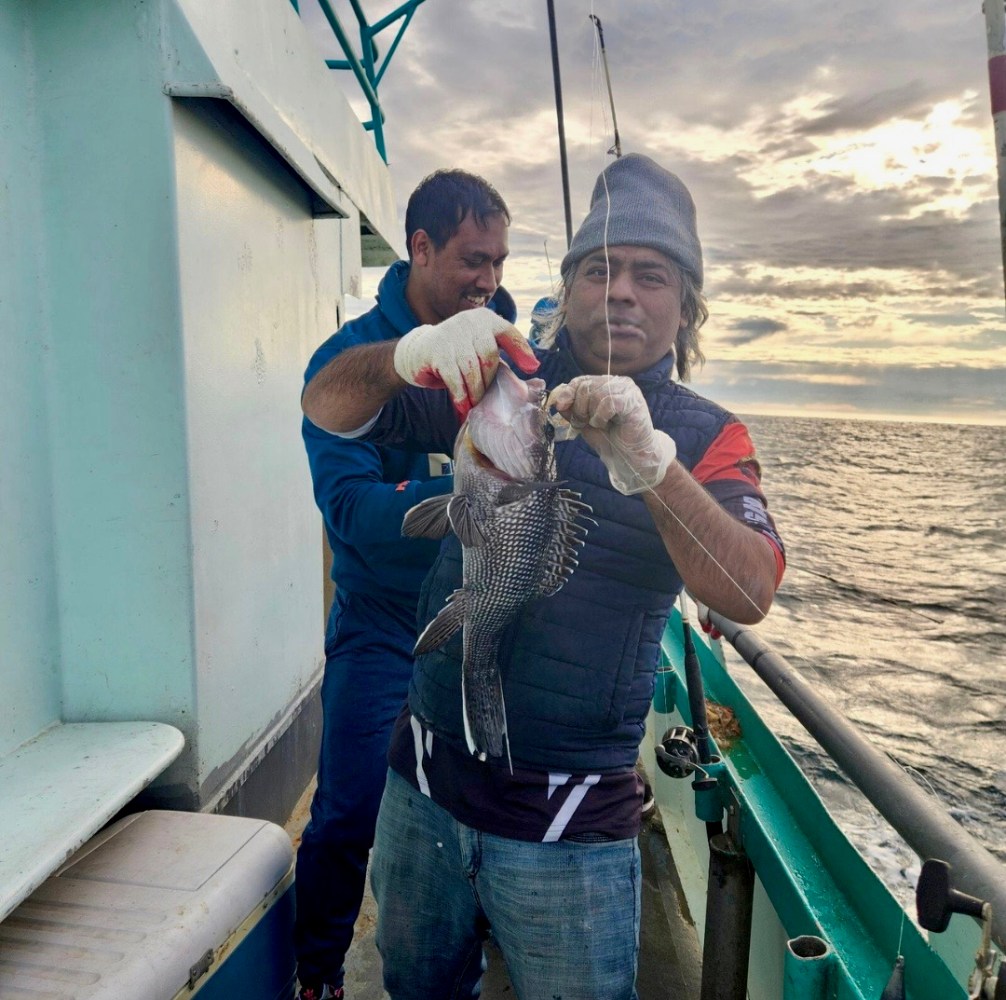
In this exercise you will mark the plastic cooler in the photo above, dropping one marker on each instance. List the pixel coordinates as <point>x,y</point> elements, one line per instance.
<point>160,905</point>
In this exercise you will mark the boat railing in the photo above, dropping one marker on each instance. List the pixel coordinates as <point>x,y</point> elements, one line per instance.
<point>367,67</point>
<point>925,826</point>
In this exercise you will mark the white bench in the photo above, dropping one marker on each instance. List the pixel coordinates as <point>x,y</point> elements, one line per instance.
<point>164,905</point>
<point>58,789</point>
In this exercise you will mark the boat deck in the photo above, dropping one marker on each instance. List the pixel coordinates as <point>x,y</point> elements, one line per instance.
<point>669,959</point>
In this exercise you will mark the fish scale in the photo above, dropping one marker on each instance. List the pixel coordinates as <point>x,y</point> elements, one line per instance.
<point>520,531</point>
<point>500,578</point>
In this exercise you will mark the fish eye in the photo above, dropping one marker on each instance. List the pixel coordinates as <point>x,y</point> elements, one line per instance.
<point>549,432</point>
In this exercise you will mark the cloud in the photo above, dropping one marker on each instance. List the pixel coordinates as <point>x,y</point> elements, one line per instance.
<point>746,331</point>
<point>846,201</point>
<point>945,319</point>
<point>946,393</point>
<point>862,111</point>
<point>988,340</point>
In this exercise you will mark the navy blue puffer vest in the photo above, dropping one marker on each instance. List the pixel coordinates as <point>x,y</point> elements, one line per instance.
<point>578,667</point>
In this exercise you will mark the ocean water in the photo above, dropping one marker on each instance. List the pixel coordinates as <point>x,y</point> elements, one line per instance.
<point>894,607</point>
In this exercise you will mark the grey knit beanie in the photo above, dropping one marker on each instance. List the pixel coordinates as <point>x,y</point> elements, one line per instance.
<point>649,207</point>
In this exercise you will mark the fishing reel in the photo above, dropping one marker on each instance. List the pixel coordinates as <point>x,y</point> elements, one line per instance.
<point>936,902</point>
<point>677,752</point>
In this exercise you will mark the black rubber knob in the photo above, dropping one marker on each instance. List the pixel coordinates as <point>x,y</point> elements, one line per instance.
<point>936,901</point>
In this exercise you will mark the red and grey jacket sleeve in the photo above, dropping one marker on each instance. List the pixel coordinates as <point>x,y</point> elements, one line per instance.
<point>730,471</point>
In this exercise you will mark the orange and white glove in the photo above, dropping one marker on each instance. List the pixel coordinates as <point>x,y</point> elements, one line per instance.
<point>611,414</point>
<point>461,354</point>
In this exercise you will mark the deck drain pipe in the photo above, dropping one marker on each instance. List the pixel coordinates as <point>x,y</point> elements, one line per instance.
<point>727,939</point>
<point>807,969</point>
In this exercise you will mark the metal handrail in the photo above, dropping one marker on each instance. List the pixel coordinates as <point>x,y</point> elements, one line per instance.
<point>926,828</point>
<point>365,67</point>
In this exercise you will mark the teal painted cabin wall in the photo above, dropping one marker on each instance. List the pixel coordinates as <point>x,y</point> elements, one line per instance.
<point>114,373</point>
<point>167,269</point>
<point>29,653</point>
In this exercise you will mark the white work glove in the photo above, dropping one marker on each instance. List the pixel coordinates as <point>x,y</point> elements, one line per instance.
<point>461,354</point>
<point>610,413</point>
<point>702,612</point>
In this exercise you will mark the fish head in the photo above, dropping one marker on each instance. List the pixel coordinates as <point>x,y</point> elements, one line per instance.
<point>509,428</point>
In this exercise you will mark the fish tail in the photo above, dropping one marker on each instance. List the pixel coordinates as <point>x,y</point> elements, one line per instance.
<point>484,710</point>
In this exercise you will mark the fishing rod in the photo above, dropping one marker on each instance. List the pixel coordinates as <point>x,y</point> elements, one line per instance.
<point>562,125</point>
<point>617,148</point>
<point>995,30</point>
<point>681,751</point>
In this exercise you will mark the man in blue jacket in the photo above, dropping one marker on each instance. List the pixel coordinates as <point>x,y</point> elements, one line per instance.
<point>544,850</point>
<point>456,233</point>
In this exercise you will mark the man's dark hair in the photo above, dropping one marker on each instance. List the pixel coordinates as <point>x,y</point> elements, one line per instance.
<point>443,200</point>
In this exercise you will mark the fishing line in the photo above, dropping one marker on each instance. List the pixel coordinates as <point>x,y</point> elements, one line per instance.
<point>595,77</point>
<point>552,286</point>
<point>650,489</point>
<point>915,773</point>
<point>595,88</point>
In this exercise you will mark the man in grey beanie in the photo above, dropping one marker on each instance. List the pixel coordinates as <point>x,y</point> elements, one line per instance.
<point>542,848</point>
<point>638,203</point>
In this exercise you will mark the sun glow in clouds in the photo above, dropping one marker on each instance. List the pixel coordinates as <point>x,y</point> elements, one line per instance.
<point>899,153</point>
<point>940,155</point>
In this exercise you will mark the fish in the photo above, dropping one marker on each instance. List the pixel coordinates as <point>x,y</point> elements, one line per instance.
<point>520,530</point>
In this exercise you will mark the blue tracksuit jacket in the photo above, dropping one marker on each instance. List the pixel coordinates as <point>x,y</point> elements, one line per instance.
<point>364,490</point>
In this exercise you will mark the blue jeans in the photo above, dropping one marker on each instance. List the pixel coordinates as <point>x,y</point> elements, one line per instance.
<point>368,648</point>
<point>565,915</point>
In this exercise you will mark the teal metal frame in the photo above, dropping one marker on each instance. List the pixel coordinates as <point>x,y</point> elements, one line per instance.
<point>816,880</point>
<point>365,67</point>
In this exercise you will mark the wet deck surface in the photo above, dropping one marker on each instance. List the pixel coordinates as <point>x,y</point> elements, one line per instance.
<point>669,960</point>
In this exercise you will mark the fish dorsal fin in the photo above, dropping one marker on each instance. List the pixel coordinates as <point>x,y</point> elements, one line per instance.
<point>463,521</point>
<point>428,519</point>
<point>449,620</point>
<point>560,559</point>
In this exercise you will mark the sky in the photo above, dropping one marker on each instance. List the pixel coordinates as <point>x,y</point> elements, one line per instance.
<point>842,158</point>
